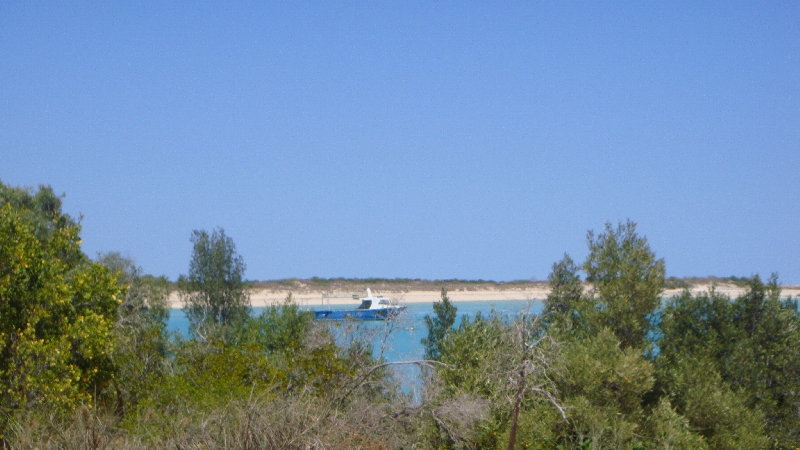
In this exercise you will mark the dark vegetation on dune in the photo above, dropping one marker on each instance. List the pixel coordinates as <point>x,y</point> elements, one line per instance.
<point>396,284</point>
<point>408,284</point>
<point>86,360</point>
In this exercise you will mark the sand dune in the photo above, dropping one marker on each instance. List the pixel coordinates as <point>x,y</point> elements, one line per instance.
<point>317,297</point>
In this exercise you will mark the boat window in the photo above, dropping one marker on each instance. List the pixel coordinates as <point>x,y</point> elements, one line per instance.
<point>383,301</point>
<point>365,304</point>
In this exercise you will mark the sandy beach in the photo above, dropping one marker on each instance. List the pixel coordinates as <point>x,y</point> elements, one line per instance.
<point>319,297</point>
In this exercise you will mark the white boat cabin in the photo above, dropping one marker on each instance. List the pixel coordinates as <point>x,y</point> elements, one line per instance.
<point>370,302</point>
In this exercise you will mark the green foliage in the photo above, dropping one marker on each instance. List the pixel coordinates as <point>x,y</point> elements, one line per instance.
<point>540,427</point>
<point>669,430</point>
<point>567,309</point>
<point>601,371</point>
<point>275,352</point>
<point>439,326</point>
<point>474,351</point>
<point>675,283</point>
<point>749,345</point>
<point>697,327</point>
<point>477,366</point>
<point>737,281</point>
<point>301,358</point>
<point>57,310</point>
<point>565,287</point>
<point>40,210</point>
<point>603,387</point>
<point>627,280</point>
<point>214,291</point>
<point>85,357</point>
<point>141,352</point>
<point>711,407</point>
<point>278,328</point>
<point>500,358</point>
<point>766,364</point>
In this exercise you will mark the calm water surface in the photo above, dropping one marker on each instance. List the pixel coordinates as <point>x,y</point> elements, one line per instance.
<point>397,340</point>
<point>403,335</point>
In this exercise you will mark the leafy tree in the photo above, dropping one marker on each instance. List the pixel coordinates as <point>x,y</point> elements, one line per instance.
<point>565,287</point>
<point>276,353</point>
<point>506,361</point>
<point>627,281</point>
<point>603,386</point>
<point>57,310</point>
<point>718,413</point>
<point>214,291</point>
<point>605,378</point>
<point>699,326</point>
<point>566,308</point>
<point>764,363</point>
<point>749,346</point>
<point>300,355</point>
<point>476,357</point>
<point>140,353</point>
<point>439,326</point>
<point>278,328</point>
<point>41,210</point>
<point>667,429</point>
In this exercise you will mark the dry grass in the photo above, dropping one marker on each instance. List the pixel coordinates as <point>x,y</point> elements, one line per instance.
<point>289,423</point>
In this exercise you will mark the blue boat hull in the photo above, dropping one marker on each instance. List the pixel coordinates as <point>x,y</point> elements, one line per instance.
<point>358,314</point>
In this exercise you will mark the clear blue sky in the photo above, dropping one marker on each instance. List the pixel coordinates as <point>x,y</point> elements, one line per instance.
<point>412,139</point>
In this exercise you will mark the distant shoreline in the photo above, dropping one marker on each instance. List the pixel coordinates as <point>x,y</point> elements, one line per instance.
<point>306,296</point>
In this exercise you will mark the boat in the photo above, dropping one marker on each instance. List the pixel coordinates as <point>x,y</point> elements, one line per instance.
<point>371,308</point>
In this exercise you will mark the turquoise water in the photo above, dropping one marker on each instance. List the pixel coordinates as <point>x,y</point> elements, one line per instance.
<point>399,339</point>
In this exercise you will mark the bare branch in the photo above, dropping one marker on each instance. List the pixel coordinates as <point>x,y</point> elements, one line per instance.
<point>420,362</point>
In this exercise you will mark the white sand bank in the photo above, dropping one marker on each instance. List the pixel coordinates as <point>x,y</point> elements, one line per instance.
<point>309,297</point>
